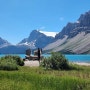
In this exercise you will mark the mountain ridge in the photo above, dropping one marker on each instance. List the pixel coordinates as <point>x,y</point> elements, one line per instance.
<point>37,39</point>
<point>33,41</point>
<point>77,33</point>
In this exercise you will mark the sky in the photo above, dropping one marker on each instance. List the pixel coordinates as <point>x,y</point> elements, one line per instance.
<point>19,17</point>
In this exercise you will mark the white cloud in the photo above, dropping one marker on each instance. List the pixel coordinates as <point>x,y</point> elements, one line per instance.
<point>61,18</point>
<point>41,28</point>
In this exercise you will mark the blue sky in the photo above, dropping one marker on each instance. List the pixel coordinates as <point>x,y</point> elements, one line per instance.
<point>19,17</point>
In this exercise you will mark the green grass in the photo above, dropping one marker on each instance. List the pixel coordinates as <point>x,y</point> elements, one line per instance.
<point>27,78</point>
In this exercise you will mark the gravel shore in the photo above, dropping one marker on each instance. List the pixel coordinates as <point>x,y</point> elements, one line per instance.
<point>82,63</point>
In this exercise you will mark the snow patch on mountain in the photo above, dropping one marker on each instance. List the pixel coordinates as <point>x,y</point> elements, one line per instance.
<point>29,44</point>
<point>49,33</point>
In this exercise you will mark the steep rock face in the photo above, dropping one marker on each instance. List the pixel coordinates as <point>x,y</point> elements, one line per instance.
<point>66,30</point>
<point>37,39</point>
<point>78,37</point>
<point>85,19</point>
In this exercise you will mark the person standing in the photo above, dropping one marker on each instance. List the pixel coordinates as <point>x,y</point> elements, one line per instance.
<point>39,55</point>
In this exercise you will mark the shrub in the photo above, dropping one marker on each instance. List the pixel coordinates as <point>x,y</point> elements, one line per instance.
<point>55,61</point>
<point>19,61</point>
<point>10,62</point>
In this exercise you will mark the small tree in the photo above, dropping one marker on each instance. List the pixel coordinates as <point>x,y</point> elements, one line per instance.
<point>55,61</point>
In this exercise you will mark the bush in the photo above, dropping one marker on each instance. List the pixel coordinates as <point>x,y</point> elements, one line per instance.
<point>10,62</point>
<point>55,61</point>
<point>19,61</point>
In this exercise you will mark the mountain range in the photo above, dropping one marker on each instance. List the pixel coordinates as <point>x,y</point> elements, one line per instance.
<point>36,39</point>
<point>73,38</point>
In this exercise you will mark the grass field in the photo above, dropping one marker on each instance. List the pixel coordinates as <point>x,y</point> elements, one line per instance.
<point>31,78</point>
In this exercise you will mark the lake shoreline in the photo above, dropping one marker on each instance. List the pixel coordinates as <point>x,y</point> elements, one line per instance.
<point>35,63</point>
<point>82,63</point>
<point>76,59</point>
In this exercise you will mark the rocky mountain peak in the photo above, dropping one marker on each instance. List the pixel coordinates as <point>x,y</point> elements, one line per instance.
<point>74,37</point>
<point>85,19</point>
<point>35,34</point>
<point>72,29</point>
<point>37,39</point>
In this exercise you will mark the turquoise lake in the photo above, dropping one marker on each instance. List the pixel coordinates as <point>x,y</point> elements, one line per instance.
<point>71,58</point>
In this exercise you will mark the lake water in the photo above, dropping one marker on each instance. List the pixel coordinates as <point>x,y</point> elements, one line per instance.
<point>78,58</point>
<point>71,58</point>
